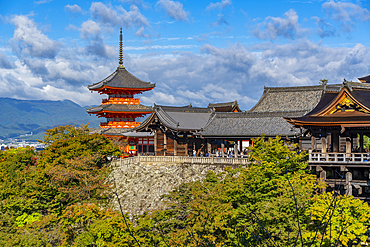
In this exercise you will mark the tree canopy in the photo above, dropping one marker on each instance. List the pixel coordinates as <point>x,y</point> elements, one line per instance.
<point>60,197</point>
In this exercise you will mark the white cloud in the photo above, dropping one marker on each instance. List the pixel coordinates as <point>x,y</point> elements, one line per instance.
<point>29,40</point>
<point>347,14</point>
<point>90,28</point>
<point>43,1</point>
<point>5,62</point>
<point>324,29</point>
<point>219,5</point>
<point>220,20</point>
<point>73,8</point>
<point>120,17</point>
<point>158,47</point>
<point>174,9</point>
<point>276,27</point>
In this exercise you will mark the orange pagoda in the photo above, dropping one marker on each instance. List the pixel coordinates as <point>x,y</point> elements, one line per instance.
<point>120,108</point>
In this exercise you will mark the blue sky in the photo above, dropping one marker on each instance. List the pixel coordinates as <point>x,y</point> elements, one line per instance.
<point>195,51</point>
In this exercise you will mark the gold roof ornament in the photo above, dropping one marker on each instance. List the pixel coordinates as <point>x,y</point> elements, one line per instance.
<point>120,49</point>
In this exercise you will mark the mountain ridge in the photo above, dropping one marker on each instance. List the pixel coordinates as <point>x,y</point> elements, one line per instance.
<point>19,117</point>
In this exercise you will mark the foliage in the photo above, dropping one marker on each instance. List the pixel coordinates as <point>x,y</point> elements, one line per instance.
<point>64,132</point>
<point>90,225</point>
<point>57,198</point>
<point>35,188</point>
<point>241,207</point>
<point>337,219</point>
<point>323,81</point>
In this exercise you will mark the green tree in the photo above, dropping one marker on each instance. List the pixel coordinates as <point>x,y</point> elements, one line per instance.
<point>90,225</point>
<point>337,220</point>
<point>35,188</point>
<point>323,82</point>
<point>64,132</point>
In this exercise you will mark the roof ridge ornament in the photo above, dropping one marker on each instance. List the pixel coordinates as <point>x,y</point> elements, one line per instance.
<point>120,49</point>
<point>347,84</point>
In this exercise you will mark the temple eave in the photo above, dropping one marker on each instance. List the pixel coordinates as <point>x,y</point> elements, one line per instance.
<point>121,88</point>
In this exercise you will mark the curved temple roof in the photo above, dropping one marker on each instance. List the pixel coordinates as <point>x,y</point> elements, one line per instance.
<point>225,107</point>
<point>350,106</point>
<point>185,118</point>
<point>119,108</point>
<point>122,79</point>
<point>246,124</point>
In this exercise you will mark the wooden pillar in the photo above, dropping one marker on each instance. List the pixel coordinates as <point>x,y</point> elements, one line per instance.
<point>222,149</point>
<point>164,143</point>
<point>155,142</point>
<point>348,145</point>
<point>174,146</point>
<point>322,178</point>
<point>335,142</point>
<point>236,149</point>
<point>209,147</point>
<point>300,142</point>
<point>361,142</point>
<point>313,143</point>
<point>323,144</point>
<point>348,183</point>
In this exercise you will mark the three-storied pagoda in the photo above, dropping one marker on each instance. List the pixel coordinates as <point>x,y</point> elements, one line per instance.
<point>121,108</point>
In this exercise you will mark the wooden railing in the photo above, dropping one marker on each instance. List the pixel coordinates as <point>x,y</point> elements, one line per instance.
<point>184,160</point>
<point>123,101</point>
<point>118,124</point>
<point>316,157</point>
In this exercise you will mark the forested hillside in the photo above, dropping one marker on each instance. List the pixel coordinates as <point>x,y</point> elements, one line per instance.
<point>60,197</point>
<point>24,116</point>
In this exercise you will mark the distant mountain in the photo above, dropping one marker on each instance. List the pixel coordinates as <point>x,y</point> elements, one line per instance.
<point>19,117</point>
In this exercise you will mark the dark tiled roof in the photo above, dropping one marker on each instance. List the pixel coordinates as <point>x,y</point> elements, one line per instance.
<point>233,103</point>
<point>121,78</point>
<point>246,124</point>
<point>358,91</point>
<point>291,98</point>
<point>365,79</point>
<point>225,107</point>
<point>179,118</point>
<point>119,108</point>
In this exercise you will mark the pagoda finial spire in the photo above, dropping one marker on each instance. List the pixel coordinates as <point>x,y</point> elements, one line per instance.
<point>120,49</point>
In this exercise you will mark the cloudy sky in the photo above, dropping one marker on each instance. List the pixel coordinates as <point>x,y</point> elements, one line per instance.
<point>195,51</point>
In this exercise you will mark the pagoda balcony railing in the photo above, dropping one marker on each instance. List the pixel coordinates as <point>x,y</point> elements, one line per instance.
<point>338,158</point>
<point>117,124</point>
<point>122,101</point>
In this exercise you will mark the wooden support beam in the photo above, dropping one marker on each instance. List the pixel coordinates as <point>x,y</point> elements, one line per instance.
<point>155,142</point>
<point>164,143</point>
<point>174,146</point>
<point>322,179</point>
<point>313,143</point>
<point>348,146</point>
<point>323,144</point>
<point>335,142</point>
<point>209,147</point>
<point>348,183</point>
<point>222,149</point>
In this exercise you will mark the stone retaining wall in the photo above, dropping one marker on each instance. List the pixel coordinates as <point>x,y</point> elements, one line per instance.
<point>142,180</point>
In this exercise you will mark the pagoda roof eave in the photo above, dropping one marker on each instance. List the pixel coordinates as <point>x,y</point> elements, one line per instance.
<point>122,79</point>
<point>103,87</point>
<point>115,108</point>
